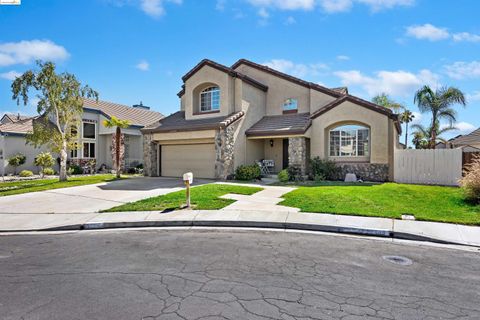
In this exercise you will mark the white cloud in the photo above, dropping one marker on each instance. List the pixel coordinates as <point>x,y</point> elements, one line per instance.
<point>220,6</point>
<point>155,8</point>
<point>466,36</point>
<point>285,4</point>
<point>428,32</point>
<point>343,58</point>
<point>475,96</point>
<point>463,70</point>
<point>396,83</point>
<point>143,65</point>
<point>27,51</point>
<point>330,6</point>
<point>10,75</point>
<point>333,6</point>
<point>296,69</point>
<point>290,20</point>
<point>460,127</point>
<point>263,13</point>
<point>417,117</point>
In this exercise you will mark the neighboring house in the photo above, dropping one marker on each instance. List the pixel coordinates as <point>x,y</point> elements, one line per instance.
<point>472,140</point>
<point>13,129</point>
<point>95,140</point>
<point>230,116</point>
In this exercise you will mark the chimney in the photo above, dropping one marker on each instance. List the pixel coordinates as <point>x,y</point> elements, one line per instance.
<point>141,106</point>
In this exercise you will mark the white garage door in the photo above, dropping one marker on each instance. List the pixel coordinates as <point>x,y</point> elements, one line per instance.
<point>196,158</point>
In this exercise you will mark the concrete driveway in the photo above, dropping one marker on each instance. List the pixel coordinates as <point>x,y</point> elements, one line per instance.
<point>90,198</point>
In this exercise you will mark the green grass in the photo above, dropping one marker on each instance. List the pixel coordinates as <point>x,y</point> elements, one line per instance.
<point>390,200</point>
<point>18,187</point>
<point>204,197</point>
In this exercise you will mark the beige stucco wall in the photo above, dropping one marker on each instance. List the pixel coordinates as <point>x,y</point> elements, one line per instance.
<point>274,153</point>
<point>185,135</point>
<point>381,131</point>
<point>253,104</point>
<point>11,145</point>
<point>202,79</point>
<point>280,89</point>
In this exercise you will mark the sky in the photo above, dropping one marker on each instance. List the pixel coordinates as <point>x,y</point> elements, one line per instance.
<point>138,50</point>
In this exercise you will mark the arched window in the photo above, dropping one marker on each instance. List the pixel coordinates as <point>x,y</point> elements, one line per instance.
<point>290,104</point>
<point>349,141</point>
<point>210,99</point>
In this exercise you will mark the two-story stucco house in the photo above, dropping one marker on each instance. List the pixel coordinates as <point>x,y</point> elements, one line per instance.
<point>237,115</point>
<point>94,142</point>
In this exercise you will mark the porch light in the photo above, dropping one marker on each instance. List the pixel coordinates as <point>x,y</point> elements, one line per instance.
<point>271,142</point>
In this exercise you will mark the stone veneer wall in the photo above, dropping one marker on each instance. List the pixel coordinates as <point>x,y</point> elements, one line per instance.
<point>224,151</point>
<point>149,156</point>
<point>374,172</point>
<point>297,153</point>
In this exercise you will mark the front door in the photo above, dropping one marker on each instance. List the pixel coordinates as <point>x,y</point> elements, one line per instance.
<point>285,154</point>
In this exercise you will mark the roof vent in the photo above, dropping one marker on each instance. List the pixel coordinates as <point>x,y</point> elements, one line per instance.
<point>141,106</point>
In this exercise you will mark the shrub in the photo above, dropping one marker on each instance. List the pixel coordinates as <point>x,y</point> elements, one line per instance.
<point>48,171</point>
<point>75,169</point>
<point>323,169</point>
<point>283,175</point>
<point>248,172</point>
<point>44,160</point>
<point>69,171</point>
<point>26,173</point>
<point>295,173</point>
<point>16,161</point>
<point>471,181</point>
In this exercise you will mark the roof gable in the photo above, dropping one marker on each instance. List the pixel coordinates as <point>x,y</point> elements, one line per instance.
<point>338,92</point>
<point>471,138</point>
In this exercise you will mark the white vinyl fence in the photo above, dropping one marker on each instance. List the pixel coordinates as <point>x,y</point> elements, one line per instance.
<point>439,166</point>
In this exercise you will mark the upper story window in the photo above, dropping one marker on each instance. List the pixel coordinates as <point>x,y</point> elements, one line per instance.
<point>210,99</point>
<point>290,104</point>
<point>349,141</point>
<point>89,130</point>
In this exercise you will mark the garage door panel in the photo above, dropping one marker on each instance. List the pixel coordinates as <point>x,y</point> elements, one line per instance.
<point>196,158</point>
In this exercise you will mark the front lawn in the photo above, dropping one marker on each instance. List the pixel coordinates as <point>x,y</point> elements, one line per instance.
<point>389,200</point>
<point>204,197</point>
<point>17,187</point>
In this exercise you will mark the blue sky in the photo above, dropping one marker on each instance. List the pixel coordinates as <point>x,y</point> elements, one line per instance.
<point>132,50</point>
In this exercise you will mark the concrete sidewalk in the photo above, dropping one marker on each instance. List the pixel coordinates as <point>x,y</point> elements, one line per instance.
<point>381,227</point>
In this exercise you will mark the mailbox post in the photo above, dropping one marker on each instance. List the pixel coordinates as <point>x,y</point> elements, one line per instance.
<point>188,180</point>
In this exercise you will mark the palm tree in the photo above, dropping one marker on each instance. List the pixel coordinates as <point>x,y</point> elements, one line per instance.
<point>422,136</point>
<point>439,104</point>
<point>384,100</point>
<point>114,122</point>
<point>406,117</point>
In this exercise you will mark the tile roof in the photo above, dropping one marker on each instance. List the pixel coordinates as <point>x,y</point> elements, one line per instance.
<point>136,116</point>
<point>472,138</point>
<point>284,124</point>
<point>15,117</point>
<point>20,127</point>
<point>177,122</point>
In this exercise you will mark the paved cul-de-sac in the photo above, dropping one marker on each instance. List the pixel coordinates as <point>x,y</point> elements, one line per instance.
<point>205,274</point>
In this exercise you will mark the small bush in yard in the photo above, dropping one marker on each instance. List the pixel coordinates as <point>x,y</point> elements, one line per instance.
<point>25,173</point>
<point>323,168</point>
<point>283,175</point>
<point>248,172</point>
<point>471,181</point>
<point>75,169</point>
<point>16,161</point>
<point>44,160</point>
<point>295,173</point>
<point>48,171</point>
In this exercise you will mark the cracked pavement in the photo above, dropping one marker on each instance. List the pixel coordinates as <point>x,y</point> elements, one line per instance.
<point>225,274</point>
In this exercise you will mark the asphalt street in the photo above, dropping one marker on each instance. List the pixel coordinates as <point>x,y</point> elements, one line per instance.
<point>209,274</point>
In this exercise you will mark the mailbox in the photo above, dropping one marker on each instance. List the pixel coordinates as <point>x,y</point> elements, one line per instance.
<point>188,177</point>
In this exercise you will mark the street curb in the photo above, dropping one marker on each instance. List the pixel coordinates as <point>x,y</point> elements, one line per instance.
<point>250,224</point>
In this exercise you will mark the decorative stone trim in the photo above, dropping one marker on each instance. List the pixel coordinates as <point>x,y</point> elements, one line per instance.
<point>375,172</point>
<point>224,151</point>
<point>297,153</point>
<point>149,156</point>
